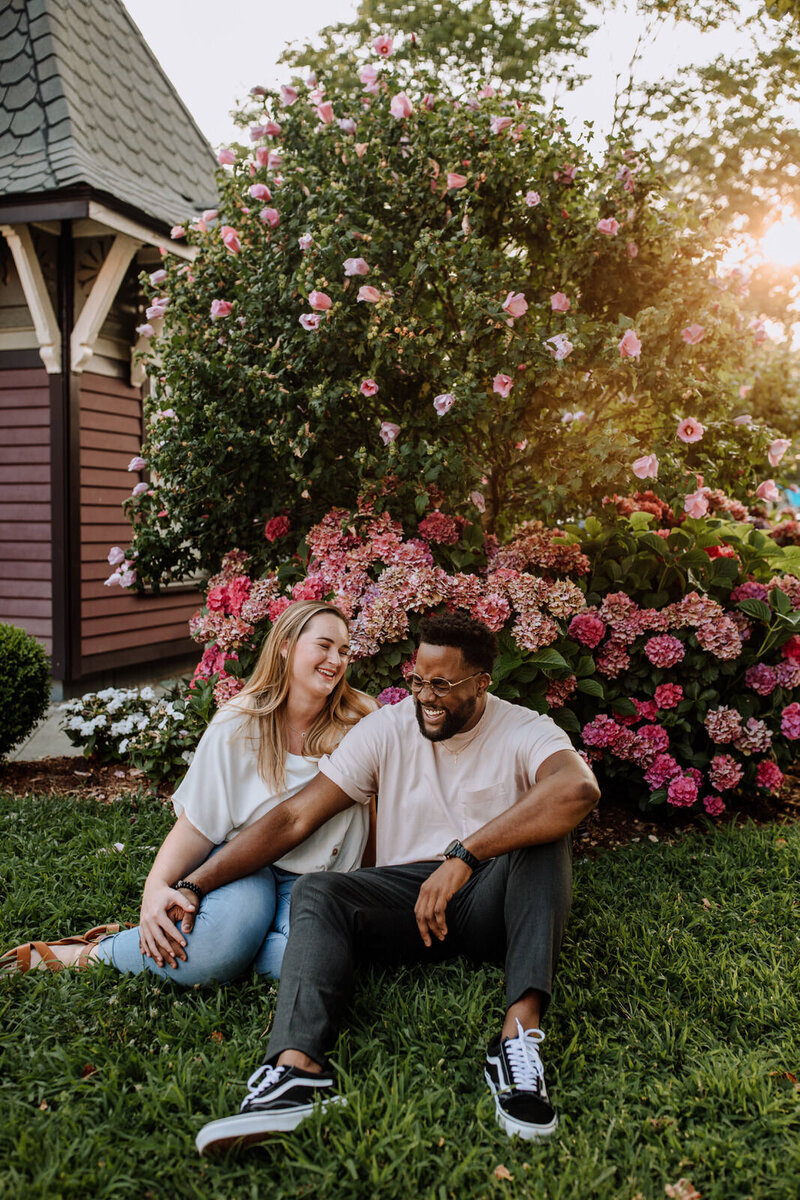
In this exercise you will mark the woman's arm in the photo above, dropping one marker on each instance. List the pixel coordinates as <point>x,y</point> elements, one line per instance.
<point>183,849</point>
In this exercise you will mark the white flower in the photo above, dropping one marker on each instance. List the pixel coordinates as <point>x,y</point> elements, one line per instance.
<point>147,693</point>
<point>187,756</point>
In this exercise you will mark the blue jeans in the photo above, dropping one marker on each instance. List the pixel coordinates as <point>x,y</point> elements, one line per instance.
<point>239,927</point>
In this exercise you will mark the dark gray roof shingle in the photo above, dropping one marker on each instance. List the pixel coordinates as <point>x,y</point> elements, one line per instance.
<point>84,101</point>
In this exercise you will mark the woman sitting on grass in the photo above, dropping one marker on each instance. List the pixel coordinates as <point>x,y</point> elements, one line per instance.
<point>259,749</point>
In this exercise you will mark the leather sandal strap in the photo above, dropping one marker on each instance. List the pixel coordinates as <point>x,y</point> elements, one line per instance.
<point>101,931</point>
<point>46,954</point>
<point>84,959</point>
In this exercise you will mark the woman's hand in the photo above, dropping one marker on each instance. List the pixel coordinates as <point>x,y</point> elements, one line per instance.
<point>158,936</point>
<point>182,850</point>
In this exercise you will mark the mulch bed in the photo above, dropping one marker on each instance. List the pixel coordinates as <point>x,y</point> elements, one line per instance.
<point>612,824</point>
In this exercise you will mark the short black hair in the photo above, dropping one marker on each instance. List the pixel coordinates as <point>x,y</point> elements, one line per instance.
<point>475,640</point>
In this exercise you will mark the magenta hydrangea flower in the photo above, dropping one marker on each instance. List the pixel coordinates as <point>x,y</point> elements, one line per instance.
<point>602,732</point>
<point>714,805</point>
<point>392,695</point>
<point>559,691</point>
<point>664,650</point>
<point>646,710</point>
<point>723,724</point>
<point>725,772</point>
<point>661,770</point>
<point>720,637</point>
<point>769,776</point>
<point>494,610</point>
<point>668,695</point>
<point>755,737</point>
<point>682,792</point>
<point>750,590</point>
<point>790,721</point>
<point>761,679</point>
<point>588,629</point>
<point>612,659</point>
<point>438,527</point>
<point>650,741</point>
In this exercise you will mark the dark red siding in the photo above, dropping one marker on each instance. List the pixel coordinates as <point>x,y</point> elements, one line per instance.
<point>25,532</point>
<point>117,626</point>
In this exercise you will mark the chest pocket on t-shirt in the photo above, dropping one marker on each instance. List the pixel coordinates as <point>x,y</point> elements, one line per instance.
<point>475,808</point>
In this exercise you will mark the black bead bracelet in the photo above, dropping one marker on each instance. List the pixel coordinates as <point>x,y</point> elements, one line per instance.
<point>192,887</point>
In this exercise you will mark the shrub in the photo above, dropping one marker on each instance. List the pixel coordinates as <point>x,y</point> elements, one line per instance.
<point>24,685</point>
<point>670,652</point>
<point>157,734</point>
<point>528,322</point>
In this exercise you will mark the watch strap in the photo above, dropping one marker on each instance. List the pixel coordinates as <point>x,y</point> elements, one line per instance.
<point>456,850</point>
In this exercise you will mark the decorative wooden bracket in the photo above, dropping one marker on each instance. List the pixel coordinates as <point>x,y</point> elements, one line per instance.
<point>37,298</point>
<point>100,299</point>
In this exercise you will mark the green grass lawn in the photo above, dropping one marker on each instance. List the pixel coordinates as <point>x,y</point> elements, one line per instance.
<point>670,1043</point>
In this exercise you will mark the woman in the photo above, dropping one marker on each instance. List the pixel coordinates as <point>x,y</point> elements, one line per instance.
<point>262,747</point>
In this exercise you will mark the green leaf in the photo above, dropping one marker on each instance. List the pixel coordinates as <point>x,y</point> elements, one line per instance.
<point>624,706</point>
<point>548,658</point>
<point>641,520</point>
<point>780,601</point>
<point>652,540</point>
<point>593,527</point>
<point>585,666</point>
<point>591,687</point>
<point>756,608</point>
<point>566,718</point>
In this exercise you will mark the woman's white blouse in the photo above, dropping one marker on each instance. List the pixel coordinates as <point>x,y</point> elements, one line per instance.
<point>222,793</point>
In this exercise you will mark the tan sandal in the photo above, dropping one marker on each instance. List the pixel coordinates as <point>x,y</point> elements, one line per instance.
<point>18,960</point>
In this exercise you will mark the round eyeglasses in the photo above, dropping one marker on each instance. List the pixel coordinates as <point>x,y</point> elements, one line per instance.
<point>439,687</point>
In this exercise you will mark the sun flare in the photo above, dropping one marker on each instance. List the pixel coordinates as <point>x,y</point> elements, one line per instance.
<point>781,243</point>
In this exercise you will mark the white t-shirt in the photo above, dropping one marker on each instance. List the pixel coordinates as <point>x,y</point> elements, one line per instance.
<point>222,793</point>
<point>432,792</point>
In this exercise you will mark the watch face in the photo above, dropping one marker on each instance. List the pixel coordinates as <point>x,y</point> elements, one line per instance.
<point>453,846</point>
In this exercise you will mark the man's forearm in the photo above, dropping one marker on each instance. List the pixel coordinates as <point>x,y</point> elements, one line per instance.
<point>273,835</point>
<point>548,812</point>
<point>268,839</point>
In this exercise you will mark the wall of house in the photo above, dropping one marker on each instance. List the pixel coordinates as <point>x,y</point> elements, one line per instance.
<point>25,531</point>
<point>117,628</point>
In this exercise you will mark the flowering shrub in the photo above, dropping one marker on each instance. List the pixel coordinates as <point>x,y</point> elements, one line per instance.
<point>157,734</point>
<point>425,292</point>
<point>679,689</point>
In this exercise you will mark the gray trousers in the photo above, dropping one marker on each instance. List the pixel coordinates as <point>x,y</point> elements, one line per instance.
<point>513,910</point>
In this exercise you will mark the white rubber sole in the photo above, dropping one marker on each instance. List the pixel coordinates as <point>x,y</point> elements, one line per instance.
<point>243,1129</point>
<point>520,1129</point>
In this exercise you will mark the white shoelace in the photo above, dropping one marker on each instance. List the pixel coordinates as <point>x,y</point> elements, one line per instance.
<point>522,1051</point>
<point>258,1085</point>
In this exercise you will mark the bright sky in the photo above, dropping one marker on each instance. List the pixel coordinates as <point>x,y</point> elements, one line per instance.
<point>215,53</point>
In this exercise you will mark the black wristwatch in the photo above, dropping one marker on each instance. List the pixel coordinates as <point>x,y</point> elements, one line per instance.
<point>456,850</point>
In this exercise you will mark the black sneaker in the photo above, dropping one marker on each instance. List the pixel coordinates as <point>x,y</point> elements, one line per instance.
<point>515,1075</point>
<point>278,1100</point>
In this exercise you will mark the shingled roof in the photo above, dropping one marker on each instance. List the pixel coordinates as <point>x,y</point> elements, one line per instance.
<point>84,102</point>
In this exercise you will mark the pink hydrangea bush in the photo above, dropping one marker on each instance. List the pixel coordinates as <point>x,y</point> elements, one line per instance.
<point>688,702</point>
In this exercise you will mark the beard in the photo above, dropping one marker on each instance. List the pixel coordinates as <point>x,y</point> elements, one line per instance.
<point>454,721</point>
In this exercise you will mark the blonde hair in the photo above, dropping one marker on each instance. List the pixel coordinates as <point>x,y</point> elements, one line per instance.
<point>264,696</point>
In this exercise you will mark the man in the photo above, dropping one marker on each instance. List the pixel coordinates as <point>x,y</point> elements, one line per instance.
<point>476,802</point>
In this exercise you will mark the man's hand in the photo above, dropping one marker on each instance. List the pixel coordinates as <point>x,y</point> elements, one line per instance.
<point>434,896</point>
<point>184,913</point>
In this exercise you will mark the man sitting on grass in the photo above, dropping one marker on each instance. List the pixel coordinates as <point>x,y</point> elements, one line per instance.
<point>477,799</point>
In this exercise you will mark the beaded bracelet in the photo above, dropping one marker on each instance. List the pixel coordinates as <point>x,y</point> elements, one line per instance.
<point>192,887</point>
